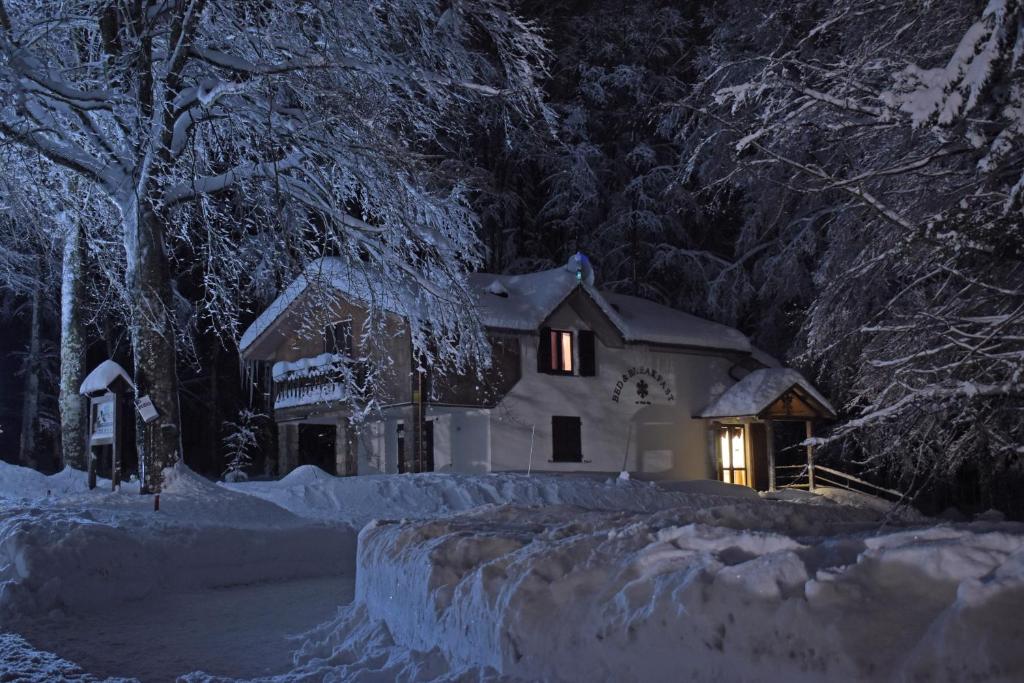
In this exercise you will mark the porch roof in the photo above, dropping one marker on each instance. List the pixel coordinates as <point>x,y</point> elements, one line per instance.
<point>757,394</point>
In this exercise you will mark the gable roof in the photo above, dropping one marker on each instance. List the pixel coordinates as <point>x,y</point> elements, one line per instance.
<point>337,274</point>
<point>522,303</point>
<point>753,394</point>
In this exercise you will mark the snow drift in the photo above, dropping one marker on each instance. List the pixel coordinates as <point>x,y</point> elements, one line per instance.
<point>736,591</point>
<point>84,549</point>
<point>309,491</point>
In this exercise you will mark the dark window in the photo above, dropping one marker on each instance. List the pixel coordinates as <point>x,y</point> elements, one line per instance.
<point>566,442</point>
<point>554,352</point>
<point>588,363</point>
<point>338,338</point>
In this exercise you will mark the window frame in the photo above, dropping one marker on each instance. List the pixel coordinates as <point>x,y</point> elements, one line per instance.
<point>556,344</point>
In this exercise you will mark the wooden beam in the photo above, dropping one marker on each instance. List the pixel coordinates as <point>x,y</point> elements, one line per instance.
<point>810,456</point>
<point>769,438</point>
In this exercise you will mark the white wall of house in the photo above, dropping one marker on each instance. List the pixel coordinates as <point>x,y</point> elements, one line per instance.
<point>664,441</point>
<point>662,437</point>
<point>462,439</point>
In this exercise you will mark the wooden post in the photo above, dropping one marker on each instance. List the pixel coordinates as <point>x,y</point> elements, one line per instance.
<point>769,439</point>
<point>92,468</point>
<point>810,457</point>
<point>115,448</point>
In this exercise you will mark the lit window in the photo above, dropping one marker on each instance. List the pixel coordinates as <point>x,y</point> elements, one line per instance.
<point>561,351</point>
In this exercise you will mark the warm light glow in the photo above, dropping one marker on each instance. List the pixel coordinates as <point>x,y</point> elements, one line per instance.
<point>561,351</point>
<point>566,351</point>
<point>732,450</point>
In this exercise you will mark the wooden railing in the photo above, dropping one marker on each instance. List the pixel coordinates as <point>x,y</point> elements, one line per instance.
<point>809,477</point>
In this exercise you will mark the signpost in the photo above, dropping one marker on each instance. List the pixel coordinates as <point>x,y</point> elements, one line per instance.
<point>107,387</point>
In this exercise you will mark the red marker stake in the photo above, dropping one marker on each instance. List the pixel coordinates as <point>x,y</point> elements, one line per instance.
<point>156,503</point>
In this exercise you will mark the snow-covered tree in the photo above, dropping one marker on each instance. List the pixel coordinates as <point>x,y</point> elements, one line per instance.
<point>241,441</point>
<point>887,139</point>
<point>252,134</point>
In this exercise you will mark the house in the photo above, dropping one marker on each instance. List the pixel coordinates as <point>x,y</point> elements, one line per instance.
<point>583,380</point>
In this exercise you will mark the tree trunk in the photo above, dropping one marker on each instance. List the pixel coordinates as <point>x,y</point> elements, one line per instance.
<point>74,417</point>
<point>153,343</point>
<point>30,402</point>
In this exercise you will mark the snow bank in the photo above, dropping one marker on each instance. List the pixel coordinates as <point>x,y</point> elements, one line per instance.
<point>310,492</point>
<point>79,550</point>
<point>734,592</point>
<point>35,666</point>
<point>21,483</point>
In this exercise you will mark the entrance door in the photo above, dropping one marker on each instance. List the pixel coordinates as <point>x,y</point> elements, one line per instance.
<point>316,446</point>
<point>733,455</point>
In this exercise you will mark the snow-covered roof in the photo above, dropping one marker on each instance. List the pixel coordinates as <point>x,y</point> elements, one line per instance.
<point>758,390</point>
<point>338,274</point>
<point>646,321</point>
<point>524,302</point>
<point>103,376</point>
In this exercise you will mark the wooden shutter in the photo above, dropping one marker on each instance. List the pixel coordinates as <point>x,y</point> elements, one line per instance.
<point>566,439</point>
<point>544,350</point>
<point>588,364</point>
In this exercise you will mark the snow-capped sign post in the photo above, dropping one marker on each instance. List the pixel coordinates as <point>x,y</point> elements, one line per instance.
<point>107,387</point>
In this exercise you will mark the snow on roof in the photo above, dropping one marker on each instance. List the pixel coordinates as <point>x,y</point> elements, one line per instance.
<point>647,321</point>
<point>524,302</point>
<point>338,274</point>
<point>103,376</point>
<point>528,299</point>
<point>758,390</point>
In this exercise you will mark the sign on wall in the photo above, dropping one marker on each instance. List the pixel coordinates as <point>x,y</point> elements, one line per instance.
<point>642,386</point>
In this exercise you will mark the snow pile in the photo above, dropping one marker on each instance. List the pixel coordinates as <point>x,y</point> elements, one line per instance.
<point>733,592</point>
<point>310,492</point>
<point>22,484</point>
<point>25,664</point>
<point>85,549</point>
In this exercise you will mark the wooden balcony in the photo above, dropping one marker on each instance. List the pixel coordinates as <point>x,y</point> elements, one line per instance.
<point>323,379</point>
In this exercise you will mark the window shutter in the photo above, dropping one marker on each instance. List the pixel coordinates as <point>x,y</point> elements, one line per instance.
<point>544,350</point>
<point>566,439</point>
<point>588,366</point>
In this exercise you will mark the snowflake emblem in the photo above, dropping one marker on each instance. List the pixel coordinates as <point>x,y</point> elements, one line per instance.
<point>642,389</point>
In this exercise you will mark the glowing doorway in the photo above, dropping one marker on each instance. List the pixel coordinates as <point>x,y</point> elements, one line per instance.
<point>733,454</point>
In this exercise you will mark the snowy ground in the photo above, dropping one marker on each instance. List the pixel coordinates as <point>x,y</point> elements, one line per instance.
<point>498,577</point>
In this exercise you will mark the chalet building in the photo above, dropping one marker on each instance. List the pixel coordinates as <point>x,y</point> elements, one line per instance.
<point>583,380</point>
